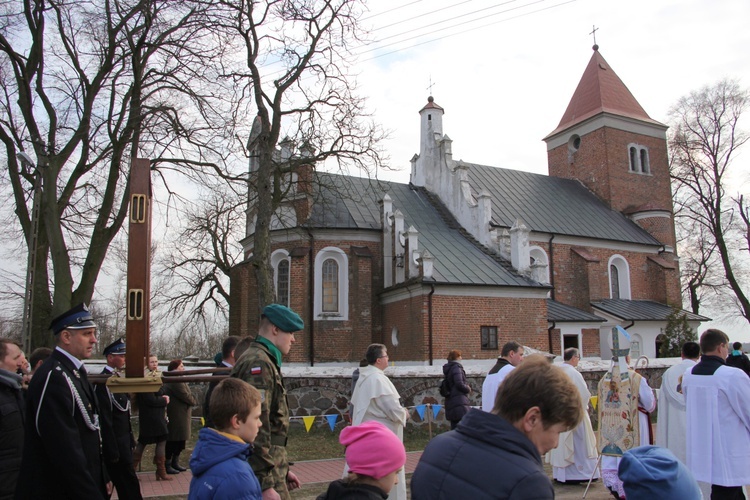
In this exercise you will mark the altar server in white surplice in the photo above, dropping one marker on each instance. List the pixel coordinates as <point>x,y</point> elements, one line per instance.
<point>717,401</point>
<point>672,426</point>
<point>574,459</point>
<point>376,398</point>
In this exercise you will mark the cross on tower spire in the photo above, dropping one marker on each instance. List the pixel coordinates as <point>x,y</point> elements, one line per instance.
<point>593,32</point>
<point>429,87</point>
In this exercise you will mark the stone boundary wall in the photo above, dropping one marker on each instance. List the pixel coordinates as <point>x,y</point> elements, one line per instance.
<point>328,394</point>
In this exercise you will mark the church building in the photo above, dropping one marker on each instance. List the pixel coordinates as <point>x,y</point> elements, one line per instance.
<point>470,256</point>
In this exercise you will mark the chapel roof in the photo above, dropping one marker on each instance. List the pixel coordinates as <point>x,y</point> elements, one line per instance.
<point>563,313</point>
<point>601,91</point>
<point>640,310</point>
<point>346,202</point>
<point>552,205</point>
<point>545,204</point>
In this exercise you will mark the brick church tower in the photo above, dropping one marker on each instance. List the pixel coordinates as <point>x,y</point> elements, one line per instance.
<point>607,141</point>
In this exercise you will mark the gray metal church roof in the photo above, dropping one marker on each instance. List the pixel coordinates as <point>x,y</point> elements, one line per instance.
<point>552,205</point>
<point>640,310</point>
<point>563,313</point>
<point>352,202</point>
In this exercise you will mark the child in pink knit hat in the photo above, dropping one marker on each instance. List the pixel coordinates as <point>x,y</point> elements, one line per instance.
<point>374,455</point>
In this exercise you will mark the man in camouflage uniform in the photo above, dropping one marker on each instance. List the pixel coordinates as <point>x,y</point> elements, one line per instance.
<point>261,367</point>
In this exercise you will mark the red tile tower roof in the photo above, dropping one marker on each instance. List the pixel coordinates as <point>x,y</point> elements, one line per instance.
<point>431,104</point>
<point>600,91</point>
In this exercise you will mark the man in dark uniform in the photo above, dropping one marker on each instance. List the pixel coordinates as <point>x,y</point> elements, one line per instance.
<point>117,435</point>
<point>260,366</point>
<point>62,446</point>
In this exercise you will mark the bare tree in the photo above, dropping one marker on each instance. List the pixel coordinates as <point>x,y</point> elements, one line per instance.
<point>294,70</point>
<point>704,140</point>
<point>207,247</point>
<point>86,87</point>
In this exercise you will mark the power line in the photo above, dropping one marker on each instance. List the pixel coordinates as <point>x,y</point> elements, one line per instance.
<point>455,25</point>
<point>463,31</point>
<point>392,10</point>
<point>462,23</point>
<point>423,15</point>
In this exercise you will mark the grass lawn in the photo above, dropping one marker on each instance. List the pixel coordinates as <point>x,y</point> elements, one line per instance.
<point>320,443</point>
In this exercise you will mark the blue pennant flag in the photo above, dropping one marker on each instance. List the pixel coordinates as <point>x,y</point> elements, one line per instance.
<point>332,420</point>
<point>420,410</point>
<point>436,410</point>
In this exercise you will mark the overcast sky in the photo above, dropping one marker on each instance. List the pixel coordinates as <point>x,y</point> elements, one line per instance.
<point>506,78</point>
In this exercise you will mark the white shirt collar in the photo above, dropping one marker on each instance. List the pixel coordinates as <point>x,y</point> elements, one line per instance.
<point>76,362</point>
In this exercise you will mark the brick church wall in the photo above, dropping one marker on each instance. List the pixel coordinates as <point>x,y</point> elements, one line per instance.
<point>334,340</point>
<point>661,228</point>
<point>591,344</point>
<point>457,322</point>
<point>602,163</point>
<point>243,302</point>
<point>408,320</point>
<point>579,280</point>
<point>556,346</point>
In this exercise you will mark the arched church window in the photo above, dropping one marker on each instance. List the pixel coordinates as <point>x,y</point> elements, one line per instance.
<point>660,340</point>
<point>330,286</point>
<point>281,265</point>
<point>331,298</point>
<point>282,283</point>
<point>539,264</point>
<point>635,346</point>
<point>619,278</point>
<point>614,281</point>
<point>644,161</point>
<point>639,161</point>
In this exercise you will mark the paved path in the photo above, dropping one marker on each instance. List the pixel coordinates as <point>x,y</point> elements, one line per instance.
<point>308,472</point>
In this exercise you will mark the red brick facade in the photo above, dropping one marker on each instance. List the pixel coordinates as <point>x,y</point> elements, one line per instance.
<point>333,340</point>
<point>457,322</point>
<point>419,322</point>
<point>602,163</point>
<point>581,275</point>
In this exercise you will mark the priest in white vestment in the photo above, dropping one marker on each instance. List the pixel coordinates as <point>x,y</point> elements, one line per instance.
<point>717,402</point>
<point>510,356</point>
<point>376,398</point>
<point>575,458</point>
<point>671,427</point>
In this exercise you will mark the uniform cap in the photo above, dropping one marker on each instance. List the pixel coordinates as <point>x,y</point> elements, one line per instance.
<point>653,472</point>
<point>283,318</point>
<point>116,347</point>
<point>372,449</point>
<point>78,318</point>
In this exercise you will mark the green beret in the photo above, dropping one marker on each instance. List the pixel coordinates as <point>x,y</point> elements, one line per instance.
<point>283,318</point>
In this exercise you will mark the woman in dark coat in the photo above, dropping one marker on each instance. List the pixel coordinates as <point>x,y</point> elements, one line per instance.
<point>179,412</point>
<point>152,419</point>
<point>457,403</point>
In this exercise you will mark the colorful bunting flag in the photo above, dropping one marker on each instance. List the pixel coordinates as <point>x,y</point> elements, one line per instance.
<point>420,410</point>
<point>436,410</point>
<point>332,420</point>
<point>308,422</point>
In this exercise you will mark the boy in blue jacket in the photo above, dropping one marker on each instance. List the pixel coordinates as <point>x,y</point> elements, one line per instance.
<point>219,461</point>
